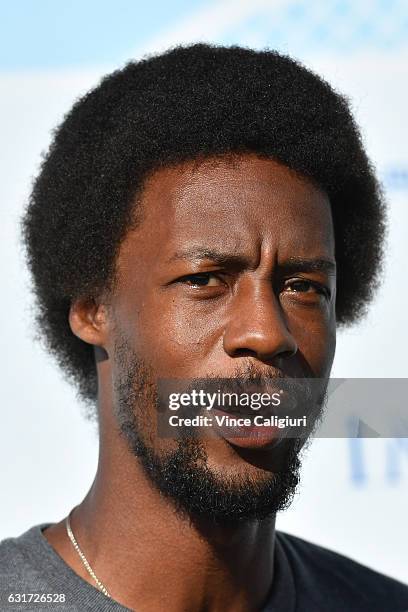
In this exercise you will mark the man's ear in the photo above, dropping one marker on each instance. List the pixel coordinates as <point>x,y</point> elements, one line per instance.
<point>88,321</point>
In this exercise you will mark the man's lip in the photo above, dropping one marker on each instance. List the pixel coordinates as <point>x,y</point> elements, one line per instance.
<point>247,436</point>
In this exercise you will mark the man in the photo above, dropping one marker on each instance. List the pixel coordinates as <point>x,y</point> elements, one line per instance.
<point>206,213</point>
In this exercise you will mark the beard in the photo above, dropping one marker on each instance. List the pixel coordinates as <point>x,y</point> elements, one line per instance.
<point>182,474</point>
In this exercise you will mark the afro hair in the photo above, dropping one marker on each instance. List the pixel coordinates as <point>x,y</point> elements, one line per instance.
<point>190,102</point>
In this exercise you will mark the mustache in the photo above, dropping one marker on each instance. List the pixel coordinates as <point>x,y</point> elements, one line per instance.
<point>295,395</point>
<point>247,372</point>
<point>251,378</point>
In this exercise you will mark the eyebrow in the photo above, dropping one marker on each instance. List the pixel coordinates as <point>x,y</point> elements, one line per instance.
<point>292,264</point>
<point>219,257</point>
<point>296,264</point>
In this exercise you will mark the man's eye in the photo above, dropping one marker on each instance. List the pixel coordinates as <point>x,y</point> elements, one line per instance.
<point>305,286</point>
<point>204,279</point>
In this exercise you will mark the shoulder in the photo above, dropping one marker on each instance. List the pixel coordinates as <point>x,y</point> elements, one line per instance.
<point>18,554</point>
<point>328,577</point>
<point>12,556</point>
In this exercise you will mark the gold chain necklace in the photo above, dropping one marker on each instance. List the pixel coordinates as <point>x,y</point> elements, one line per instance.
<point>83,558</point>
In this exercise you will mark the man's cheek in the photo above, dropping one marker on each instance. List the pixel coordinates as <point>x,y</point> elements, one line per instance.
<point>317,347</point>
<point>177,351</point>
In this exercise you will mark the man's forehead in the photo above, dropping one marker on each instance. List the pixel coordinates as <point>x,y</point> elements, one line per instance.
<point>234,204</point>
<point>243,174</point>
<point>230,190</point>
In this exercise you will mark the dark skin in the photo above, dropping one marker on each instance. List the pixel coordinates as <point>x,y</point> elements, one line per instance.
<point>260,238</point>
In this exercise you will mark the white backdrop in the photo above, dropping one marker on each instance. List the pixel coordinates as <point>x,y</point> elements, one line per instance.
<point>353,496</point>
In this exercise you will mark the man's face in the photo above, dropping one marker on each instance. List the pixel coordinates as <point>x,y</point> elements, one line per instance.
<point>224,275</point>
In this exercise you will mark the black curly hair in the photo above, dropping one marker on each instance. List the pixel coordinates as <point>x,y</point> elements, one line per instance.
<point>190,102</point>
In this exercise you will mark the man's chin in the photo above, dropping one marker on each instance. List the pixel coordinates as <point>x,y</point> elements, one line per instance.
<point>257,488</point>
<point>226,486</point>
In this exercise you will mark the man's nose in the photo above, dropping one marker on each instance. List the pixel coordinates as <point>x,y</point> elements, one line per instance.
<point>257,326</point>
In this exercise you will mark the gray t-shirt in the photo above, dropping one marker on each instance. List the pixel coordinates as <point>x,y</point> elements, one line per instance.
<point>307,578</point>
